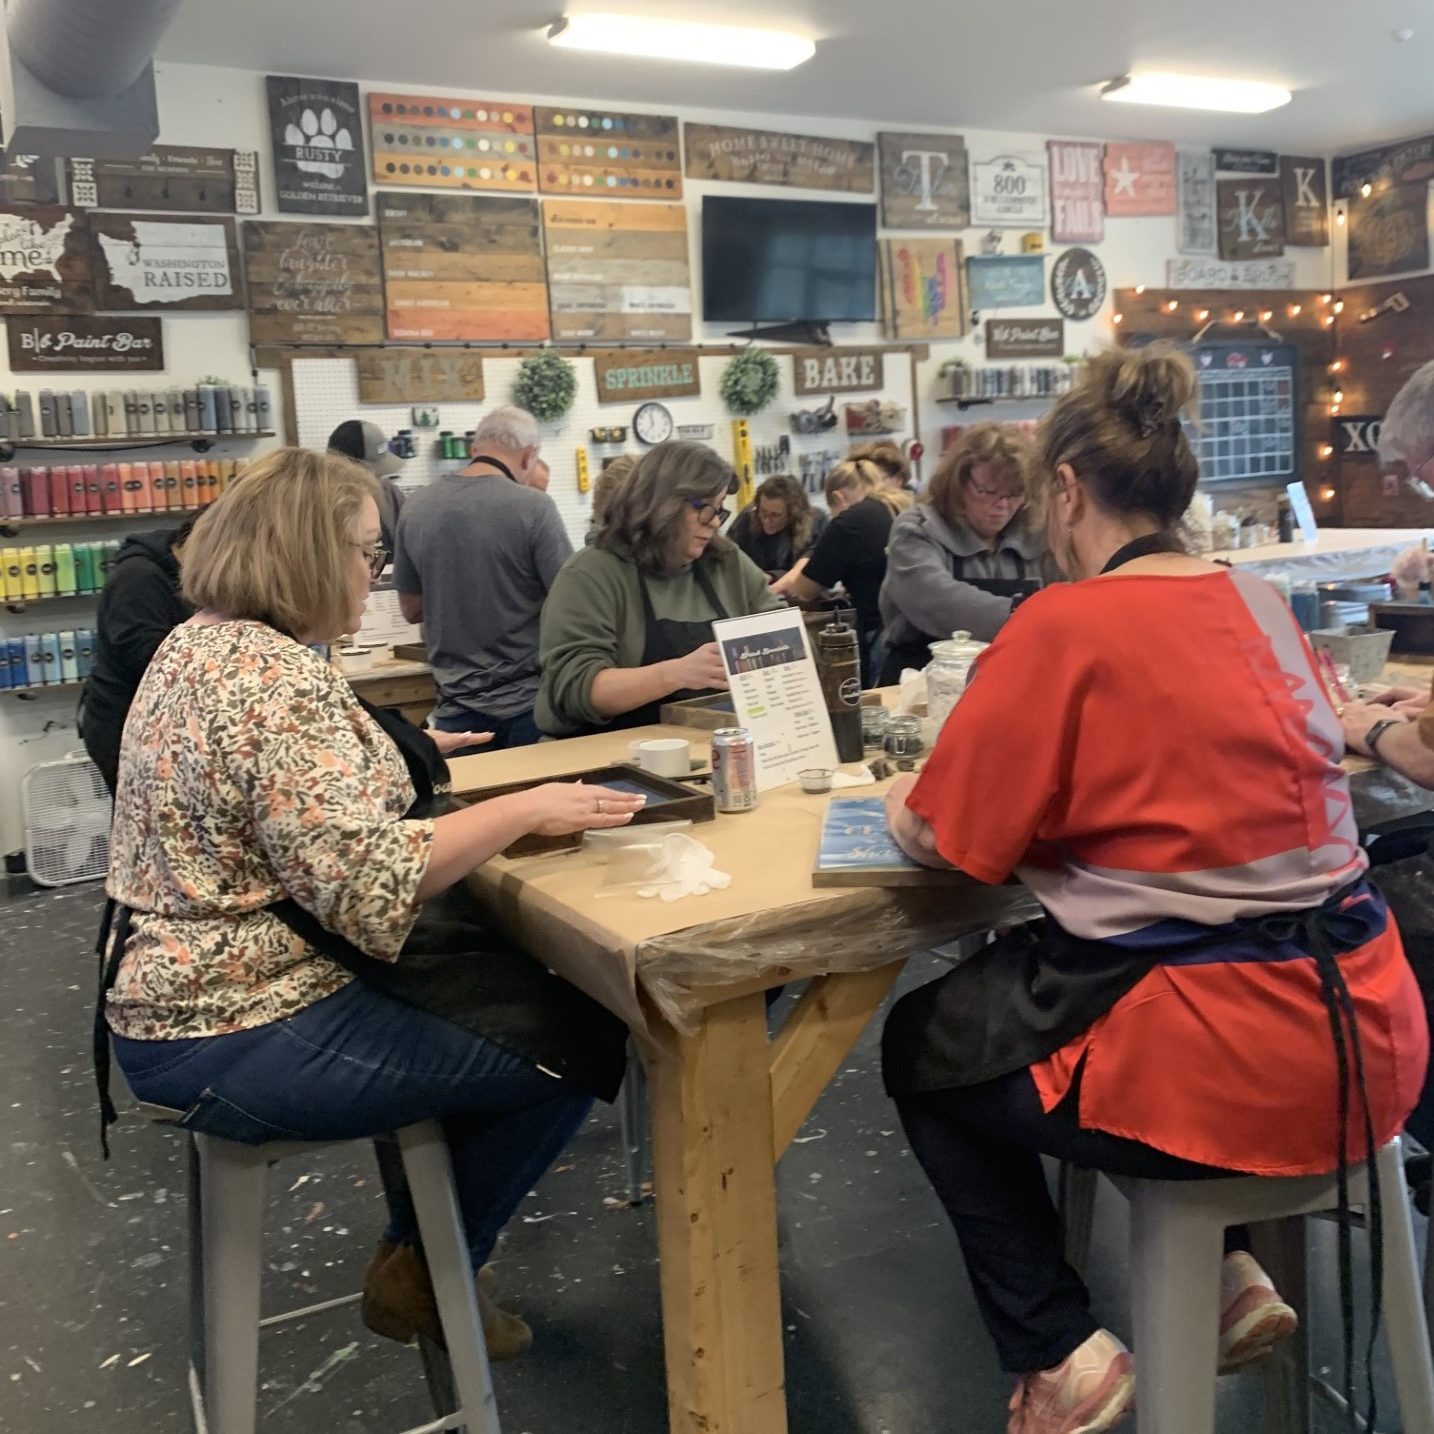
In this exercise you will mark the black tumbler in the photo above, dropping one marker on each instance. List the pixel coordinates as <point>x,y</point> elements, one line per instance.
<point>839,660</point>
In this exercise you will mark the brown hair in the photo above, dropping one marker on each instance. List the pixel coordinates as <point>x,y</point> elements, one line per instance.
<point>1006,449</point>
<point>863,476</point>
<point>277,545</point>
<point>644,519</point>
<point>785,489</point>
<point>887,456</point>
<point>609,481</point>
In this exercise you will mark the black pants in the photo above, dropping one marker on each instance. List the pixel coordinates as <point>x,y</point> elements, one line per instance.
<point>980,1146</point>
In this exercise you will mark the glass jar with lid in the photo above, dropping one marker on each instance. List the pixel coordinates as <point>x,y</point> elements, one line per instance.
<point>947,674</point>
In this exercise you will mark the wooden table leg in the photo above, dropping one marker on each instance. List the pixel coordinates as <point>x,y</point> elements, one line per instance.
<point>717,1224</point>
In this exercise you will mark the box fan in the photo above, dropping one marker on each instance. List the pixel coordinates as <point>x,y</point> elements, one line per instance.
<point>67,821</point>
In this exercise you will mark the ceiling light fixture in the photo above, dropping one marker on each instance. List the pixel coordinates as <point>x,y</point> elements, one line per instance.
<point>641,37</point>
<point>1196,92</point>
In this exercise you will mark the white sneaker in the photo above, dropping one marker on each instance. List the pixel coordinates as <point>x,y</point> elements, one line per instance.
<point>1253,1317</point>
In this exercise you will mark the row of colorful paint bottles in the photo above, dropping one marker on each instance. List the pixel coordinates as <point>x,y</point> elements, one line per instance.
<point>58,570</point>
<point>47,658</point>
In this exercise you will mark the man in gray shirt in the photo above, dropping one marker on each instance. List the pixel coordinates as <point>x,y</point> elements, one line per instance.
<point>477,551</point>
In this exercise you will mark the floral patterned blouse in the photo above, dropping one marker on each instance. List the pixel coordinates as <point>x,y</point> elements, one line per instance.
<point>249,773</point>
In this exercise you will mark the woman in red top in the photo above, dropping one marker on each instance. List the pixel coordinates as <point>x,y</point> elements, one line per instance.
<point>1150,749</point>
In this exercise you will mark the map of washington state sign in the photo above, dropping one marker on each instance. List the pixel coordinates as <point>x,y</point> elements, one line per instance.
<point>148,263</point>
<point>44,261</point>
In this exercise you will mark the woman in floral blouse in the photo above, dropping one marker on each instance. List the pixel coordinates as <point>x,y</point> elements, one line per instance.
<point>250,776</point>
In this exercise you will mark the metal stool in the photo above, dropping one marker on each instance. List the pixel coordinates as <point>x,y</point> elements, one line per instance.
<point>225,1264</point>
<point>1177,1234</point>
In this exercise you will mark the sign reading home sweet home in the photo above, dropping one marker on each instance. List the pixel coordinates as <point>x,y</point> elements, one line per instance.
<point>69,344</point>
<point>1025,338</point>
<point>837,371</point>
<point>625,375</point>
<point>799,161</point>
<point>925,181</point>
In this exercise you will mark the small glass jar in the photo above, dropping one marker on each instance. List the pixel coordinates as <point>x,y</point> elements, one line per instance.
<point>873,729</point>
<point>903,738</point>
<point>947,674</point>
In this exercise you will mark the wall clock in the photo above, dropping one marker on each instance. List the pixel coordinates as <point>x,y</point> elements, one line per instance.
<point>652,423</point>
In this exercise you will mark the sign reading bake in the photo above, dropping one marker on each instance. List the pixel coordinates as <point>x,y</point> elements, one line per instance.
<point>143,263</point>
<point>799,161</point>
<point>1025,338</point>
<point>44,261</point>
<point>628,374</point>
<point>72,344</point>
<point>837,371</point>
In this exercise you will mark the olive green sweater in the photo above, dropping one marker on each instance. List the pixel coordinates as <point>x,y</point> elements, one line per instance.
<point>593,620</point>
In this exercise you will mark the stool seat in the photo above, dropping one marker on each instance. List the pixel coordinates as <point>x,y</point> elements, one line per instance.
<point>1177,1241</point>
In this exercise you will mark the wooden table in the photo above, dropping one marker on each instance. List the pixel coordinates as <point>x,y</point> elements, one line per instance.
<point>726,1100</point>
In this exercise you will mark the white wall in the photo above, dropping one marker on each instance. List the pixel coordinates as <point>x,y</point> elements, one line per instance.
<point>204,105</point>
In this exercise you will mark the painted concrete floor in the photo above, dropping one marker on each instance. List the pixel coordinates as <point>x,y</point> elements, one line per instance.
<point>881,1333</point>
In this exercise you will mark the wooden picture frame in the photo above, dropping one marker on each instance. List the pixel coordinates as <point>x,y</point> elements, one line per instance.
<point>668,801</point>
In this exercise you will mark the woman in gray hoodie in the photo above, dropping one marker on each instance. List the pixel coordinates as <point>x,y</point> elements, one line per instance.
<point>965,555</point>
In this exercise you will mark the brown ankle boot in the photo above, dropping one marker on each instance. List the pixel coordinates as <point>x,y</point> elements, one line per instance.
<point>398,1303</point>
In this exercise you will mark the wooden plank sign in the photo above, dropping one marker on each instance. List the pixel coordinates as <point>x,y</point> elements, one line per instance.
<point>608,154</point>
<point>816,371</point>
<point>73,344</point>
<point>29,179</point>
<point>1025,338</point>
<point>44,261</point>
<point>1251,218</point>
<point>627,375</point>
<point>618,271</point>
<point>170,177</point>
<point>925,181</point>
<point>1077,192</point>
<point>798,161</point>
<point>1196,181</point>
<point>1139,180</point>
<point>313,283</point>
<point>316,133</point>
<point>1009,191</point>
<point>923,289</point>
<point>461,266</point>
<point>145,263</point>
<point>1213,274</point>
<point>452,144</point>
<point>420,376</point>
<point>1306,196</point>
<point>1389,231</point>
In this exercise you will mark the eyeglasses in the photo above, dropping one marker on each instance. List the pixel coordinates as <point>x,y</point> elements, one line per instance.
<point>709,514</point>
<point>995,495</point>
<point>375,556</point>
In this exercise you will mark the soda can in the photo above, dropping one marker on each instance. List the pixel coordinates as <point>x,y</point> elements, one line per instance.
<point>734,770</point>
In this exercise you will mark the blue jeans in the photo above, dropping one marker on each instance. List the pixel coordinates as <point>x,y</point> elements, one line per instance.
<point>519,731</point>
<point>357,1064</point>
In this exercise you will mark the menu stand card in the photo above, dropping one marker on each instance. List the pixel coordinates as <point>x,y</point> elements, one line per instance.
<point>777,694</point>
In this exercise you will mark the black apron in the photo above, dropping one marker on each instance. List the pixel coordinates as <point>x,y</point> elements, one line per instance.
<point>915,652</point>
<point>664,640</point>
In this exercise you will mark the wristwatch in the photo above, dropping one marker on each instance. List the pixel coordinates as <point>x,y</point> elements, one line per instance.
<point>1371,738</point>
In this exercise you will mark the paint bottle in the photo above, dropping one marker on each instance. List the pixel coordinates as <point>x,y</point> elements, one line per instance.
<point>37,493</point>
<point>111,490</point>
<point>49,658</point>
<point>15,661</point>
<point>264,405</point>
<point>14,575</point>
<point>84,567</point>
<point>80,412</point>
<point>61,504</point>
<point>25,408</point>
<point>159,407</point>
<point>64,416</point>
<point>45,567</point>
<point>49,420</point>
<point>29,575</point>
<point>69,656</point>
<point>34,664</point>
<point>65,569</point>
<point>85,651</point>
<point>12,492</point>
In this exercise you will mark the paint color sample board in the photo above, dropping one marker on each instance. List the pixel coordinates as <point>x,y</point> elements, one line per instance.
<point>458,266</point>
<point>452,144</point>
<point>313,283</point>
<point>604,153</point>
<point>618,271</point>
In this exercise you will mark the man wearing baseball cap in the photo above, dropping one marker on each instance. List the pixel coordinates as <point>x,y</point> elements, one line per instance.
<point>367,443</point>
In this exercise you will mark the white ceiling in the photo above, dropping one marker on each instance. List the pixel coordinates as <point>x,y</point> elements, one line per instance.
<point>1028,65</point>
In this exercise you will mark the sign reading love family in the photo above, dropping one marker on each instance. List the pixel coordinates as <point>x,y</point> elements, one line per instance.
<point>1077,192</point>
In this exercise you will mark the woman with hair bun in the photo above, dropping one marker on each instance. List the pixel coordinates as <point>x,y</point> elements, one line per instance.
<point>1217,988</point>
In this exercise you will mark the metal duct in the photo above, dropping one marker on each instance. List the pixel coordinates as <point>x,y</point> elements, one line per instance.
<point>88,49</point>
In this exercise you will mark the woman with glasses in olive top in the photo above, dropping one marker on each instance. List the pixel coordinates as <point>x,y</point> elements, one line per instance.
<point>627,626</point>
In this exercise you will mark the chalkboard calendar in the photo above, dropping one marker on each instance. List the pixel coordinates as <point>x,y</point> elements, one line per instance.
<point>1248,429</point>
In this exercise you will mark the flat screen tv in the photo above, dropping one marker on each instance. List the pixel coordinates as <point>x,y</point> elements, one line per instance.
<point>788,261</point>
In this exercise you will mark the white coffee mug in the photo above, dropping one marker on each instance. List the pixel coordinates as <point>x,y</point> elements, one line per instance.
<point>663,756</point>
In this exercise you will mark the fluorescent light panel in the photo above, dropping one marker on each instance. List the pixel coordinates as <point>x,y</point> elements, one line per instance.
<point>1197,92</point>
<point>639,36</point>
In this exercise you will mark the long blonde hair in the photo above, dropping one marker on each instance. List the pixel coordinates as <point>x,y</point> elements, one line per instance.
<point>863,477</point>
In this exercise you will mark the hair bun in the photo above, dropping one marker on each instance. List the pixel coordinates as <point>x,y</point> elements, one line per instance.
<point>1149,387</point>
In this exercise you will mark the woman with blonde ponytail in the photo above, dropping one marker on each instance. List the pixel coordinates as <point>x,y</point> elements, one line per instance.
<point>1217,987</point>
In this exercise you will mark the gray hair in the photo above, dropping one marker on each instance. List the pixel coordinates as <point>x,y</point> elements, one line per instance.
<point>645,517</point>
<point>1407,433</point>
<point>509,428</point>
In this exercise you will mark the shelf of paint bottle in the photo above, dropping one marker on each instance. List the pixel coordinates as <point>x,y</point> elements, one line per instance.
<point>45,687</point>
<point>10,526</point>
<point>973,401</point>
<point>200,442</point>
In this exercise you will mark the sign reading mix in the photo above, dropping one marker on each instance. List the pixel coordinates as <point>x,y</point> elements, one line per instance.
<point>628,375</point>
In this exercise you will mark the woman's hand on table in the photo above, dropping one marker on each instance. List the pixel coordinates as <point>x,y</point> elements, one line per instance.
<point>700,671</point>
<point>1410,700</point>
<point>450,742</point>
<point>1358,717</point>
<point>561,808</point>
